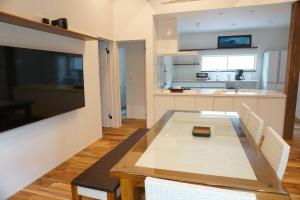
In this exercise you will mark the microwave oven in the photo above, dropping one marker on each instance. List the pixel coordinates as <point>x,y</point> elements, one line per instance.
<point>202,75</point>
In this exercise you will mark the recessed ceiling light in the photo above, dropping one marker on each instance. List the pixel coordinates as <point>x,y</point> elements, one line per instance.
<point>169,32</point>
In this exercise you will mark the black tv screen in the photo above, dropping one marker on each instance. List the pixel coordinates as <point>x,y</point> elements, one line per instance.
<point>36,84</point>
<point>237,41</point>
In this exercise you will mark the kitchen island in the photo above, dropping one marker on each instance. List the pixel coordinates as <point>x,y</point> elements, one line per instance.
<point>268,104</point>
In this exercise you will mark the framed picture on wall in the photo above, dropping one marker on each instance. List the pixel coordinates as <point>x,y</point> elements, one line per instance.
<point>235,41</point>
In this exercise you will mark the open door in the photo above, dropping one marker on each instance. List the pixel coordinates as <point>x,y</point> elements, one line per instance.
<point>105,86</point>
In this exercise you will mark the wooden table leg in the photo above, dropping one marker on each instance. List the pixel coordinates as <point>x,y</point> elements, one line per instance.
<point>111,196</point>
<point>127,189</point>
<point>75,195</point>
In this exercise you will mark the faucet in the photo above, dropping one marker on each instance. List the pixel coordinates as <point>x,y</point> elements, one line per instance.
<point>239,86</point>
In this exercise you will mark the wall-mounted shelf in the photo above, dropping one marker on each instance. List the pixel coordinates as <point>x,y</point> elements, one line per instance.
<point>28,23</point>
<point>212,49</point>
<point>189,64</point>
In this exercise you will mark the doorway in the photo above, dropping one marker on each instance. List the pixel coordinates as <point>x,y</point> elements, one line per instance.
<point>122,64</point>
<point>132,79</point>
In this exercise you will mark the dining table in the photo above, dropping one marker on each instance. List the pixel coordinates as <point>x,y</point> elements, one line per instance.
<point>228,158</point>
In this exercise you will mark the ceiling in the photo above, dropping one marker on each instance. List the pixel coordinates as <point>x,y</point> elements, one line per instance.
<point>233,19</point>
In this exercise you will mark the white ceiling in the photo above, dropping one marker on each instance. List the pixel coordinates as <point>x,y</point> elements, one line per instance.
<point>267,16</point>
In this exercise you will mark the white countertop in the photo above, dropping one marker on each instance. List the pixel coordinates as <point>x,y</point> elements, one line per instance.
<point>212,81</point>
<point>223,92</point>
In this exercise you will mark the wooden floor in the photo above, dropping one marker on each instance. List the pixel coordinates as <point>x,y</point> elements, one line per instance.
<point>56,184</point>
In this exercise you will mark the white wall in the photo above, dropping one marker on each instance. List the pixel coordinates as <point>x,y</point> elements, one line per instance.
<point>94,17</point>
<point>264,39</point>
<point>136,23</point>
<point>135,79</point>
<point>29,152</point>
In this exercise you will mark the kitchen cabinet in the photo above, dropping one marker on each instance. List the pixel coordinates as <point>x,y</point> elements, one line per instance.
<point>185,103</point>
<point>269,105</point>
<point>223,104</point>
<point>251,102</point>
<point>166,46</point>
<point>272,111</point>
<point>161,105</point>
<point>204,103</point>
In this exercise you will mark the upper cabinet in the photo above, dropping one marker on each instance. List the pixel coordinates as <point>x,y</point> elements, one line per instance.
<point>166,36</point>
<point>166,47</point>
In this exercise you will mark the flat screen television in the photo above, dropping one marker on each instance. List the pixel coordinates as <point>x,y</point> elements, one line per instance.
<point>36,84</point>
<point>235,41</point>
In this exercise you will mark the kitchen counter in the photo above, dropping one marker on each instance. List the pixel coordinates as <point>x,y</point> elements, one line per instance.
<point>213,84</point>
<point>225,93</point>
<point>268,104</point>
<point>213,81</point>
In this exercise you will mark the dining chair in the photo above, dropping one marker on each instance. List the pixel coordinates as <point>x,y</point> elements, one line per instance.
<point>160,189</point>
<point>255,126</point>
<point>276,151</point>
<point>244,113</point>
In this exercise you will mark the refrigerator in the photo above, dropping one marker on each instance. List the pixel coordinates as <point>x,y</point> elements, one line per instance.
<point>274,70</point>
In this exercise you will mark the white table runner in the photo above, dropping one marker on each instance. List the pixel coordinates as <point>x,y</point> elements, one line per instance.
<point>176,149</point>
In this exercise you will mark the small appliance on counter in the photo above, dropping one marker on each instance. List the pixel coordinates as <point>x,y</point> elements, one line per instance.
<point>239,74</point>
<point>178,89</point>
<point>202,76</point>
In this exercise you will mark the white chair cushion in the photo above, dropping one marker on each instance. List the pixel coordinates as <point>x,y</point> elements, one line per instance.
<point>159,189</point>
<point>255,126</point>
<point>276,151</point>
